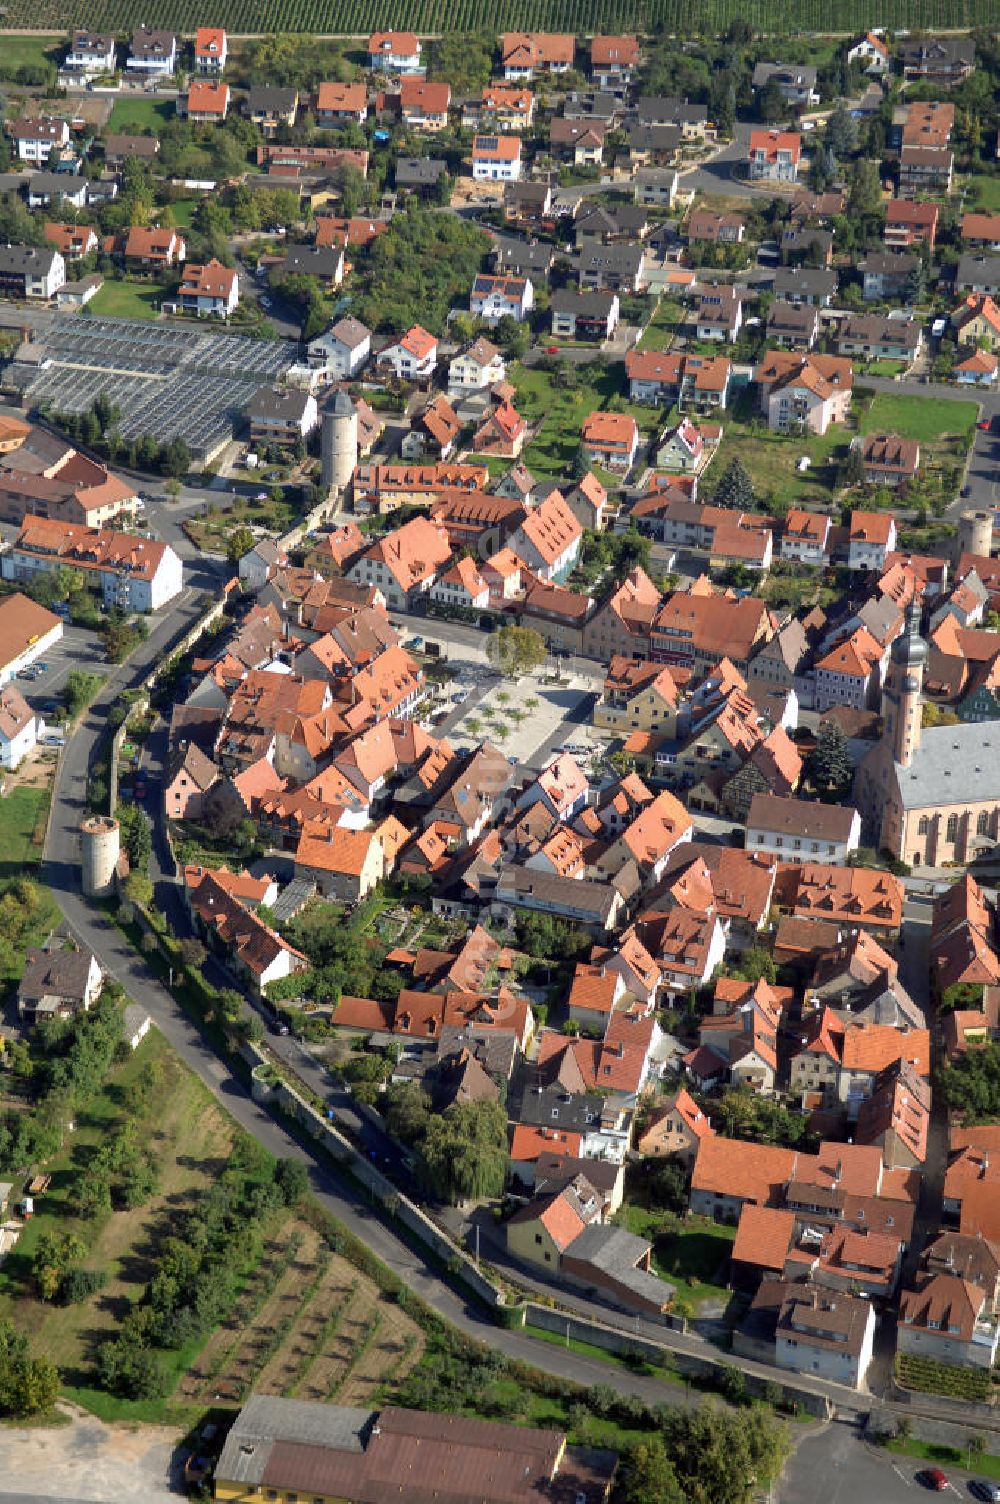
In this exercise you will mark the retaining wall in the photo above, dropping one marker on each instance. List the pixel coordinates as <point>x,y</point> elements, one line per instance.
<point>884,1420</point>
<point>320,512</point>
<point>943,1408</point>
<point>381,1190</point>
<point>688,1364</point>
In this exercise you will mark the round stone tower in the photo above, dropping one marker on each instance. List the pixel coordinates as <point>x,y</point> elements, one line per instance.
<point>339,443</point>
<point>974,534</point>
<point>100,844</point>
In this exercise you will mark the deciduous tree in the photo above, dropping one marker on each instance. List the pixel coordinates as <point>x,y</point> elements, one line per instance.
<point>516,651</point>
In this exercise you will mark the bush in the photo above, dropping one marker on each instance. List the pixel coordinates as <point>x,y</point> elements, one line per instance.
<point>78,1285</point>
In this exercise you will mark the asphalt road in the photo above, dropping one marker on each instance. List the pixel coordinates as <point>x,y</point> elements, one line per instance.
<point>835,1465</point>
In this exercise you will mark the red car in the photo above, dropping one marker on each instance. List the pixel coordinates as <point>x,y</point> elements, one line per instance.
<point>554,350</point>
<point>934,1478</point>
<point>986,425</point>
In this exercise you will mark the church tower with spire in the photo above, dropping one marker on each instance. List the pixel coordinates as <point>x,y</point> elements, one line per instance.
<point>901,699</point>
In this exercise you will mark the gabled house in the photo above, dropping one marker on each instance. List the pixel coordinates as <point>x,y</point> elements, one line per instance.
<point>496,159</point>
<point>613,61</point>
<point>404,563</point>
<point>888,459</point>
<point>872,538</point>
<point>207,101</point>
<point>503,432</point>
<point>152,247</point>
<point>462,585</point>
<point>663,378</point>
<point>337,104</point>
<point>795,83</point>
<point>211,50</point>
<point>584,315</point>
<point>675,1130</point>
<point>549,538</point>
<point>948,1320</point>
<point>209,291</point>
<point>496,297</point>
<point>806,537</point>
<point>90,53</point>
<point>501,108</point>
<point>610,440</point>
<point>395,52</point>
<point>342,351</point>
<point>57,983</point>
<point>152,54</point>
<point>804,392</point>
<point>939,60</point>
<point>525,53</point>
<point>477,368</point>
<point>269,108</point>
<point>872,53</point>
<point>412,357</point>
<point>774,156</point>
<point>424,106</point>
<point>798,830</point>
<point>909,222</point>
<point>36,137</point>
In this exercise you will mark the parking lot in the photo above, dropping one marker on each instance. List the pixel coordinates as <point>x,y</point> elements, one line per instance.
<point>43,683</point>
<point>89,1462</point>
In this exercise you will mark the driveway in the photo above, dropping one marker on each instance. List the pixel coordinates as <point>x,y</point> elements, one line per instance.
<point>722,173</point>
<point>88,1462</point>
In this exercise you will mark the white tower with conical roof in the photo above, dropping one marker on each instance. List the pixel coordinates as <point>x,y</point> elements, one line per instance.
<point>339,443</point>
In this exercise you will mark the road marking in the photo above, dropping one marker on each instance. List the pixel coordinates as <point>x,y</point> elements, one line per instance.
<point>902,1475</point>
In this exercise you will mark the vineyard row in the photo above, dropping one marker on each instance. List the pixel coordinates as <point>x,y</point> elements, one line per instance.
<point>360,17</point>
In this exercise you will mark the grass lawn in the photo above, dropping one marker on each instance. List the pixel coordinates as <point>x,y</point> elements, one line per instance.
<point>127,300</point>
<point>22,829</point>
<point>602,1354</point>
<point>918,417</point>
<point>772,458</point>
<point>191,1138</point>
<point>140,114</point>
<point>692,1257</point>
<point>17,52</point>
<point>881,368</point>
<point>560,412</point>
<point>987,1465</point>
<point>984,193</point>
<point>660,330</point>
<point>183,211</point>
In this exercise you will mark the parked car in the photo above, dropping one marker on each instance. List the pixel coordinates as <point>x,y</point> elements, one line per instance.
<point>934,1479</point>
<point>985,1490</point>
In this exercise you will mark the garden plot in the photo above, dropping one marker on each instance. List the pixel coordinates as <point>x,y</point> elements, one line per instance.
<point>308,1326</point>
